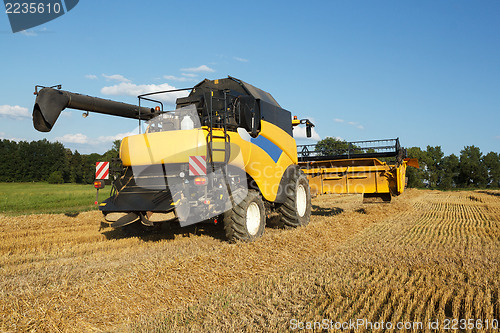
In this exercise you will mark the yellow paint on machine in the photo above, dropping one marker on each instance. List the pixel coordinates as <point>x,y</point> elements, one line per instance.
<point>361,175</point>
<point>157,148</point>
<point>176,147</point>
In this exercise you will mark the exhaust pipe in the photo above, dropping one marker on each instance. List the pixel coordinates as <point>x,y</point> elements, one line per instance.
<point>50,102</point>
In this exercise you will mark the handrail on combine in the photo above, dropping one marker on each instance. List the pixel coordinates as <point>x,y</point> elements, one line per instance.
<point>348,150</point>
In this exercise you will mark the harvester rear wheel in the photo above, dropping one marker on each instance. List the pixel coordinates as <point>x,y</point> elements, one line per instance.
<point>246,220</point>
<point>296,210</point>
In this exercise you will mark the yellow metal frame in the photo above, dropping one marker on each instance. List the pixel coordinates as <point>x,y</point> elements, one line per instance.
<point>361,175</point>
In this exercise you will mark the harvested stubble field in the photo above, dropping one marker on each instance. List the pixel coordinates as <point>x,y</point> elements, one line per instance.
<point>427,256</point>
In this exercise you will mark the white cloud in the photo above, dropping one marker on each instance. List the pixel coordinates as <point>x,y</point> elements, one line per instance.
<point>240,59</point>
<point>116,77</point>
<point>178,78</point>
<point>190,75</point>
<point>80,138</point>
<point>299,132</point>
<point>73,138</point>
<point>199,69</point>
<point>29,33</point>
<point>352,123</point>
<point>15,112</point>
<point>356,124</point>
<point>131,89</point>
<point>91,77</point>
<point>111,138</point>
<point>3,136</point>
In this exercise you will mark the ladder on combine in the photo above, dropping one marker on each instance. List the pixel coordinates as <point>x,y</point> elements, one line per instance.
<point>221,124</point>
<point>218,121</point>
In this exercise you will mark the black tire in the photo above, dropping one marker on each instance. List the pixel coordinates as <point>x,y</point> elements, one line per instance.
<point>247,219</point>
<point>296,210</point>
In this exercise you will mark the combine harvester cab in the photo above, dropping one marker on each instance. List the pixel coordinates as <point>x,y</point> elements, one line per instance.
<point>375,168</point>
<point>226,153</point>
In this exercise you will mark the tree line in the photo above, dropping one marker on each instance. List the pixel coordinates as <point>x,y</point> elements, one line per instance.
<point>470,169</point>
<point>48,161</point>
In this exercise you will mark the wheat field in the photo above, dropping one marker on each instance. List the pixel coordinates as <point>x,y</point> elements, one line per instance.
<point>429,258</point>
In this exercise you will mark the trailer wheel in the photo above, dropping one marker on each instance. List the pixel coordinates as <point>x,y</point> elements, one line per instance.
<point>246,220</point>
<point>296,210</point>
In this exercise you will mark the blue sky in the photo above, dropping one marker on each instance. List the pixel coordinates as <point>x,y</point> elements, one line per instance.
<point>427,72</point>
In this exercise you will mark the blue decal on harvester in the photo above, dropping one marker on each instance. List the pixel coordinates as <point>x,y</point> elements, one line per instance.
<point>268,146</point>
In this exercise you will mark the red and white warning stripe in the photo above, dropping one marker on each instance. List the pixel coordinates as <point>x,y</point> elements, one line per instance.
<point>197,166</point>
<point>101,170</point>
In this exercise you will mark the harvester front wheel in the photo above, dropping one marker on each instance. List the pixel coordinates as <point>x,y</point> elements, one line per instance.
<point>296,210</point>
<point>246,220</point>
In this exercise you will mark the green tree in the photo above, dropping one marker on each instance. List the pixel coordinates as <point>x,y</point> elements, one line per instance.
<point>56,177</point>
<point>472,171</point>
<point>114,152</point>
<point>66,170</point>
<point>333,146</point>
<point>450,169</point>
<point>433,161</point>
<point>416,177</point>
<point>90,164</point>
<point>492,163</point>
<point>9,158</point>
<point>77,168</point>
<point>22,172</point>
<point>30,161</point>
<point>55,158</point>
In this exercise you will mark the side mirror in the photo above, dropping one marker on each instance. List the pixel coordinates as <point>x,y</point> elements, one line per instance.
<point>308,124</point>
<point>255,122</point>
<point>249,114</point>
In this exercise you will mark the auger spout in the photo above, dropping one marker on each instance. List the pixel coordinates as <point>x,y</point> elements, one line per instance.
<point>50,102</point>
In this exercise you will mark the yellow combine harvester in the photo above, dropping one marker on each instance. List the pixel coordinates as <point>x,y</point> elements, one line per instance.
<point>226,153</point>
